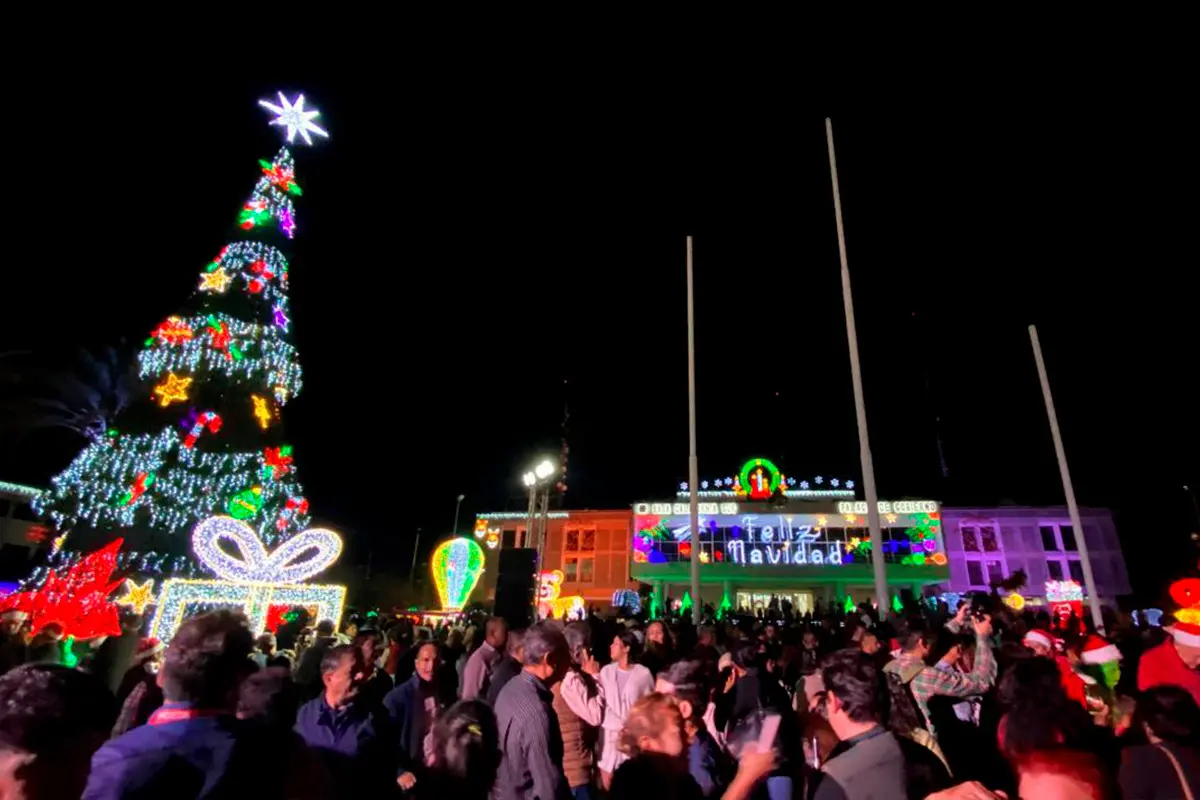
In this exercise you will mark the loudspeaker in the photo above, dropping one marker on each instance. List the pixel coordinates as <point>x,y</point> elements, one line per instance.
<point>516,584</point>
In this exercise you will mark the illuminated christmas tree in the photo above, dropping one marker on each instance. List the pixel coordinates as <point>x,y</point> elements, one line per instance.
<point>204,437</point>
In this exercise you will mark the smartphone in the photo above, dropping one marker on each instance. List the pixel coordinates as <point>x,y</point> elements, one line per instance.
<point>766,737</point>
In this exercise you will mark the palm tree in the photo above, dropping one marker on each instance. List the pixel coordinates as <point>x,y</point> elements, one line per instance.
<point>82,390</point>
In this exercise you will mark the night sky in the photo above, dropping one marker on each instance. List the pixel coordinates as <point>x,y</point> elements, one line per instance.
<point>469,262</point>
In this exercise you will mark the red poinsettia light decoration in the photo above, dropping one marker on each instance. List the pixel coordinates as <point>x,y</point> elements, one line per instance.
<point>77,600</point>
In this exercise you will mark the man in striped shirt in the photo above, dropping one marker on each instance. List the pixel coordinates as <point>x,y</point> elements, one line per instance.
<point>530,740</point>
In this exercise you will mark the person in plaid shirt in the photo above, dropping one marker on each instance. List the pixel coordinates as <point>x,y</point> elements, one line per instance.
<point>925,682</point>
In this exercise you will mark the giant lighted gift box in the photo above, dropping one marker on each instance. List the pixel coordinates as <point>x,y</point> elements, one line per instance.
<point>253,580</point>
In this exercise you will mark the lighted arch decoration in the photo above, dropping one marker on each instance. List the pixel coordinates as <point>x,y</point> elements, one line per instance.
<point>456,565</point>
<point>754,483</point>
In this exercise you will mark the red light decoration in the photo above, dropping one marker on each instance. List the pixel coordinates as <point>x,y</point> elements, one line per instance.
<point>210,420</point>
<point>143,482</point>
<point>172,331</point>
<point>278,460</point>
<point>78,600</point>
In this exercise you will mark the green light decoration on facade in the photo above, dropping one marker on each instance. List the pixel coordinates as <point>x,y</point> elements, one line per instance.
<point>849,605</point>
<point>725,606</point>
<point>774,476</point>
<point>685,605</point>
<point>655,604</point>
<point>897,606</point>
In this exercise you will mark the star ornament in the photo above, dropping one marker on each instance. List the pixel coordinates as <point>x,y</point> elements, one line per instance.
<point>295,118</point>
<point>173,389</point>
<point>216,281</point>
<point>137,596</point>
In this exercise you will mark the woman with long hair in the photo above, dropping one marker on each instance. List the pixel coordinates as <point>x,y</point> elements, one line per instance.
<point>624,683</point>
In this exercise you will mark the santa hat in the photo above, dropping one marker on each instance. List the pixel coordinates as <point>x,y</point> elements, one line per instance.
<point>147,648</point>
<point>1186,629</point>
<point>1097,650</point>
<point>1186,633</point>
<point>1039,638</point>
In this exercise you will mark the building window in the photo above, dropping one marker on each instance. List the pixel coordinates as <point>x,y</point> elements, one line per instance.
<point>508,539</point>
<point>984,554</point>
<point>572,542</point>
<point>579,570</point>
<point>1062,552</point>
<point>1058,538</point>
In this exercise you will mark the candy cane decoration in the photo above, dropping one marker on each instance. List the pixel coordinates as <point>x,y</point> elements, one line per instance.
<point>210,420</point>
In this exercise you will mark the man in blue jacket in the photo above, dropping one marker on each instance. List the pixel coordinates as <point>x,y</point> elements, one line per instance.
<point>349,731</point>
<point>193,746</point>
<point>413,706</point>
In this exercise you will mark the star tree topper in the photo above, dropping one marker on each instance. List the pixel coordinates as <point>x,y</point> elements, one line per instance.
<point>295,118</point>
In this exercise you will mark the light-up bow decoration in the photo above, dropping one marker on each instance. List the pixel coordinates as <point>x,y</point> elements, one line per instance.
<point>255,564</point>
<point>456,565</point>
<point>252,579</point>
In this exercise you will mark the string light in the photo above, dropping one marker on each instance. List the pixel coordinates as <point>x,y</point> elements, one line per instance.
<point>456,565</point>
<point>181,596</point>
<point>291,114</point>
<point>137,595</point>
<point>216,281</point>
<point>253,564</point>
<point>187,489</point>
<point>262,411</point>
<point>173,390</point>
<point>1063,591</point>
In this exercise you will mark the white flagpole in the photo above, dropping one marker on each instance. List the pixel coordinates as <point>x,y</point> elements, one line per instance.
<point>882,597</point>
<point>1072,508</point>
<point>693,469</point>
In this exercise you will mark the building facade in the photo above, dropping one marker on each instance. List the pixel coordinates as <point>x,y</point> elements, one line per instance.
<point>763,535</point>
<point>986,544</point>
<point>21,532</point>
<point>590,548</point>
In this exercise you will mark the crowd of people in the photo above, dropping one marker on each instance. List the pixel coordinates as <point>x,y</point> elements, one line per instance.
<point>976,702</point>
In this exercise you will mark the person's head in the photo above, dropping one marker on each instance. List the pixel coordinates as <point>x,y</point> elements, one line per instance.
<point>947,649</point>
<point>809,640</point>
<point>1168,714</point>
<point>466,747</point>
<point>53,719</point>
<point>207,659</point>
<point>270,697</point>
<point>579,640</point>
<point>369,642</point>
<point>1187,644</point>
<point>339,670</point>
<point>855,696</point>
<point>769,633</point>
<point>915,642</point>
<point>624,648</point>
<point>745,656</point>
<point>1039,714</point>
<point>546,656</point>
<point>869,643</point>
<point>497,632</point>
<point>11,622</point>
<point>654,725</point>
<point>706,636</point>
<point>265,643</point>
<point>515,646</point>
<point>325,628</point>
<point>685,681</point>
<point>427,662</point>
<point>1040,642</point>
<point>656,633</point>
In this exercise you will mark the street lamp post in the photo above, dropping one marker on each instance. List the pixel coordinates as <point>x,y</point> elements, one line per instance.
<point>538,481</point>
<point>457,505</point>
